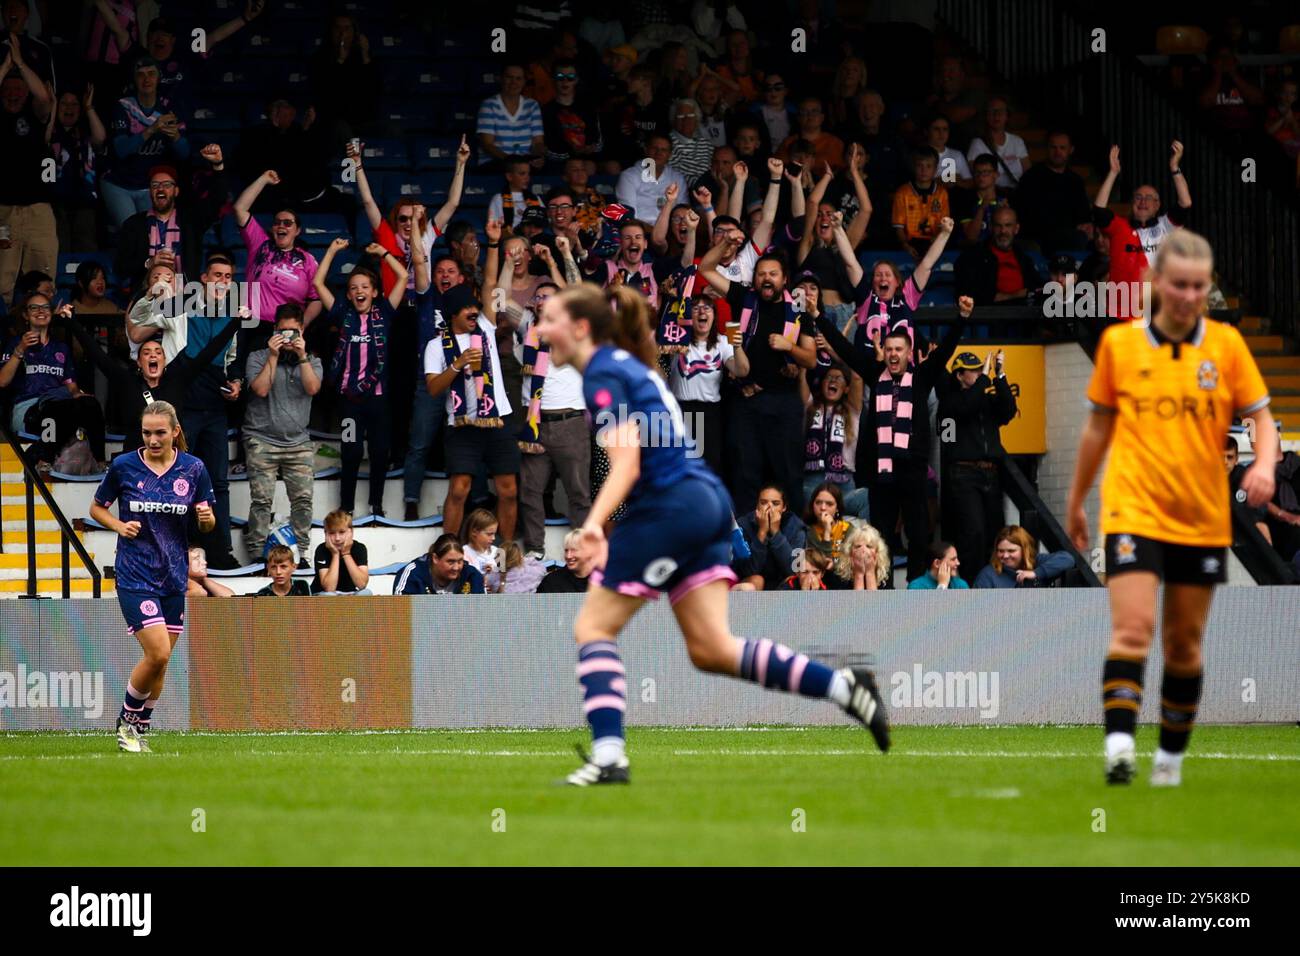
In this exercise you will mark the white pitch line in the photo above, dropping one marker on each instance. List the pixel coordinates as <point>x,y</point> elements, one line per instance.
<point>464,752</point>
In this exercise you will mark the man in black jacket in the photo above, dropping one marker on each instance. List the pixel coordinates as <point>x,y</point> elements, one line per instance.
<point>894,434</point>
<point>998,271</point>
<point>972,409</point>
<point>172,230</point>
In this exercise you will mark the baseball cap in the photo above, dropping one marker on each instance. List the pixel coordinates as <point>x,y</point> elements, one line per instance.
<point>967,362</point>
<point>533,216</point>
<point>1062,263</point>
<point>146,63</point>
<point>169,171</point>
<point>809,277</point>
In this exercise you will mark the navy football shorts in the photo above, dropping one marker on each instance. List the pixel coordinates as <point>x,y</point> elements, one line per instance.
<point>142,609</point>
<point>671,541</point>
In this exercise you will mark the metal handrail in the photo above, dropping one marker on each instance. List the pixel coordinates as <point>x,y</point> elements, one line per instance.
<point>33,482</point>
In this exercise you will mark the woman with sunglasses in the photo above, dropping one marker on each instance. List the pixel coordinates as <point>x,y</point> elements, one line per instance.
<point>280,270</point>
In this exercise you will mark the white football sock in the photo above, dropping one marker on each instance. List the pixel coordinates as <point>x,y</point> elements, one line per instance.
<point>1118,742</point>
<point>607,750</point>
<point>839,689</point>
<point>1166,759</point>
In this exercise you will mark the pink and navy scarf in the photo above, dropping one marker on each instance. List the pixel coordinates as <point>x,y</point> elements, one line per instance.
<point>893,421</point>
<point>165,233</point>
<point>484,390</point>
<point>824,445</point>
<point>673,336</point>
<point>749,321</point>
<point>537,362</point>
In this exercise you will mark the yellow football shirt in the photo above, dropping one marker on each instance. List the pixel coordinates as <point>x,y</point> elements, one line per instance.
<point>1174,403</point>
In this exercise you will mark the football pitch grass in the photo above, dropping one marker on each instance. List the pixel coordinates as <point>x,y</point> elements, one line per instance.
<point>987,796</point>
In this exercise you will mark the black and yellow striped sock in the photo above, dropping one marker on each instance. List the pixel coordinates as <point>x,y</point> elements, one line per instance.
<point>1121,694</point>
<point>1179,695</point>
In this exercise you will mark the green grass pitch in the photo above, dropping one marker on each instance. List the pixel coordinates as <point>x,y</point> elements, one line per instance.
<point>785,796</point>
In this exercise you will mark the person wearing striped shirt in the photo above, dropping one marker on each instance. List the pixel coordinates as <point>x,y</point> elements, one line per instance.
<point>510,124</point>
<point>692,153</point>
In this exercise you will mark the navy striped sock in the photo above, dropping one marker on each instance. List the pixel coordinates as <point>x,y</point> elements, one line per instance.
<point>132,705</point>
<point>777,667</point>
<point>604,696</point>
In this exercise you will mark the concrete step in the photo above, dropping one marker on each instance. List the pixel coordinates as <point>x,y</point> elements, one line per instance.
<point>1263,344</point>
<point>1279,383</point>
<point>1279,363</point>
<point>1249,323</point>
<point>44,560</point>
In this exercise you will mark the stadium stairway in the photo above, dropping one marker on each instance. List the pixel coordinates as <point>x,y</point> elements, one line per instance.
<point>1281,368</point>
<point>390,542</point>
<point>13,541</point>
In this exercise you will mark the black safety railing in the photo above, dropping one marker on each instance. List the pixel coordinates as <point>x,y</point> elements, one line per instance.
<point>1048,56</point>
<point>68,540</point>
<point>1255,553</point>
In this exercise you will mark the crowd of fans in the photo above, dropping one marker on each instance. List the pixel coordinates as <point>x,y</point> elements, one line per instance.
<point>760,199</point>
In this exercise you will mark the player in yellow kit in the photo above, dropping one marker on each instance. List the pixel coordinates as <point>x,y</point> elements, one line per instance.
<point>1163,395</point>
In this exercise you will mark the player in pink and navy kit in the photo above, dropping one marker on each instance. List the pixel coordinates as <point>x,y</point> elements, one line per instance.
<point>676,536</point>
<point>157,488</point>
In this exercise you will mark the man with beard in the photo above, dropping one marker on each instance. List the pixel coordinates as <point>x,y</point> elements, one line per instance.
<point>768,417</point>
<point>998,271</point>
<point>171,231</point>
<point>894,435</point>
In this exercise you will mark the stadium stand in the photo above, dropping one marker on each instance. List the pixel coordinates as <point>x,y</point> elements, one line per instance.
<point>406,84</point>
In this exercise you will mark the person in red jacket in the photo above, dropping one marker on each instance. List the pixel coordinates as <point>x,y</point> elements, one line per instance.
<point>1134,241</point>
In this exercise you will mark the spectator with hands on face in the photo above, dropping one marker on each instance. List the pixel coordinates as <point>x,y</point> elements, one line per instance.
<point>774,535</point>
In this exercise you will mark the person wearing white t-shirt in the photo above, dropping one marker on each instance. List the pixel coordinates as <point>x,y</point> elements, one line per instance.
<point>563,445</point>
<point>463,362</point>
<point>953,168</point>
<point>1008,147</point>
<point>695,378</point>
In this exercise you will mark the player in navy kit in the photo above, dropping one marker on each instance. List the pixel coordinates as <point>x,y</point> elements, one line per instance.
<point>156,487</point>
<point>675,538</point>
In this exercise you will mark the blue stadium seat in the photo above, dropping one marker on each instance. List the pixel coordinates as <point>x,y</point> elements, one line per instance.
<point>461,43</point>
<point>385,154</point>
<point>69,261</point>
<point>479,190</point>
<point>430,190</point>
<point>324,228</point>
<point>217,114</point>
<point>229,232</point>
<point>410,113</point>
<point>434,152</point>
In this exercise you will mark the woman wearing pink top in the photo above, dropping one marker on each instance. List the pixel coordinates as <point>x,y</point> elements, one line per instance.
<point>279,270</point>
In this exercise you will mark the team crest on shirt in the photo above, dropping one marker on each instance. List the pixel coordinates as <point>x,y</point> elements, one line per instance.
<point>1207,376</point>
<point>1210,565</point>
<point>148,607</point>
<point>180,487</point>
<point>1125,550</point>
